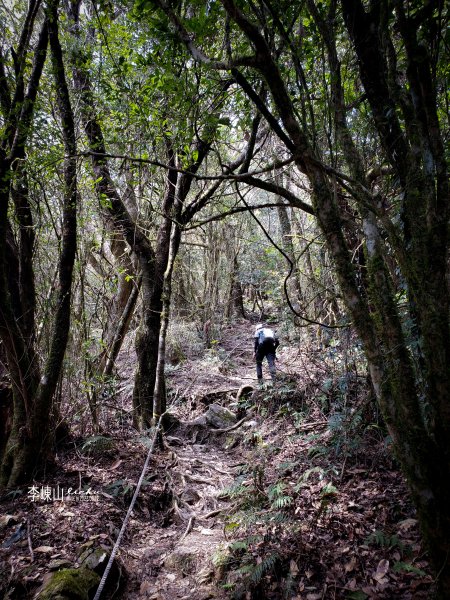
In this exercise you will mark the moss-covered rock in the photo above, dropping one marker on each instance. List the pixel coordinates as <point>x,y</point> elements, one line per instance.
<point>97,444</point>
<point>181,561</point>
<point>219,417</point>
<point>94,559</point>
<point>69,584</point>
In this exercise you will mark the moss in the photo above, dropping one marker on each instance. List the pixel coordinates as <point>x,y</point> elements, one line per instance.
<point>70,584</point>
<point>97,444</point>
<point>94,559</point>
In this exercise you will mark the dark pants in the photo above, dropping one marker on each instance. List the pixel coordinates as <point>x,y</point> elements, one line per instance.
<point>270,355</point>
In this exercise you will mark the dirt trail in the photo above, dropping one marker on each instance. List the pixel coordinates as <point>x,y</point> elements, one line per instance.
<point>175,561</point>
<point>173,556</point>
<point>330,544</point>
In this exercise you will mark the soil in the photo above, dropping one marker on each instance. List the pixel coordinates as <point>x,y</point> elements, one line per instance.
<point>299,501</point>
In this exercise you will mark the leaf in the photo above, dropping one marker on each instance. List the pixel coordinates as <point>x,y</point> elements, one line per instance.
<point>382,569</point>
<point>44,549</point>
<point>350,566</point>
<point>293,568</point>
<point>407,524</point>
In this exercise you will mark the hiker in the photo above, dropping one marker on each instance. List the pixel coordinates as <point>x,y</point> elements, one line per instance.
<point>266,343</point>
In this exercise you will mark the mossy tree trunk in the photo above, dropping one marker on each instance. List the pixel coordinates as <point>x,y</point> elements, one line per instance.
<point>29,445</point>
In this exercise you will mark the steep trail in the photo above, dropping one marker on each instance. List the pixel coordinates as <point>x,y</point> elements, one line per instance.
<point>173,560</point>
<point>172,553</point>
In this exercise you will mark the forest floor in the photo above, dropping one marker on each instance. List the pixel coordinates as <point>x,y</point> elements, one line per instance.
<point>302,500</point>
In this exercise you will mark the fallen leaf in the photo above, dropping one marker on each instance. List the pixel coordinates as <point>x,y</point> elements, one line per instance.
<point>44,549</point>
<point>207,531</point>
<point>116,464</point>
<point>407,523</point>
<point>147,588</point>
<point>350,566</point>
<point>171,576</point>
<point>293,568</point>
<point>382,569</point>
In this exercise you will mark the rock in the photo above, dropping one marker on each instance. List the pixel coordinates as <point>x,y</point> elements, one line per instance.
<point>190,495</point>
<point>219,417</point>
<point>95,559</point>
<point>59,563</point>
<point>7,520</point>
<point>170,422</point>
<point>69,584</point>
<point>181,561</point>
<point>19,534</point>
<point>97,444</point>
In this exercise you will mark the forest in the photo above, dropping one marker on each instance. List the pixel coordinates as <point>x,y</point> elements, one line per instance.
<point>176,175</point>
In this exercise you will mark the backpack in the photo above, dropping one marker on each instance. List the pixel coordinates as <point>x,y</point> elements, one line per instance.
<point>265,334</point>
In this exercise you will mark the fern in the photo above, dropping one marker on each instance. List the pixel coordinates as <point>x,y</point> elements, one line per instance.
<point>235,489</point>
<point>238,545</point>
<point>384,540</point>
<point>407,568</point>
<point>282,502</point>
<point>304,478</point>
<point>276,490</point>
<point>267,564</point>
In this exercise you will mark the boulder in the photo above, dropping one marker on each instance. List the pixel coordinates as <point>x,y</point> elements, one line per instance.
<point>181,561</point>
<point>95,559</point>
<point>69,584</point>
<point>219,417</point>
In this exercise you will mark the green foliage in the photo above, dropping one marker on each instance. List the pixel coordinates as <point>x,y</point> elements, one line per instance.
<point>260,569</point>
<point>119,488</point>
<point>400,566</point>
<point>97,444</point>
<point>384,540</point>
<point>357,595</point>
<point>277,496</point>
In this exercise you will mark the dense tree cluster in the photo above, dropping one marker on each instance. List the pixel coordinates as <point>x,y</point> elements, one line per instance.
<point>137,141</point>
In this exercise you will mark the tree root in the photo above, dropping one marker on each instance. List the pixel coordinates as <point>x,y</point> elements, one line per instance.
<point>188,528</point>
<point>233,427</point>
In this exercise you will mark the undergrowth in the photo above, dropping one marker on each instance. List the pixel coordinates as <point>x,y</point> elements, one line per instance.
<point>287,499</point>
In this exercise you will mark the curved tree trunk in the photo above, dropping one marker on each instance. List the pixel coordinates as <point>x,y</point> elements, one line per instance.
<point>30,442</point>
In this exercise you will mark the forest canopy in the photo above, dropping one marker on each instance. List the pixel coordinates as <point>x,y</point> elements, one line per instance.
<point>207,159</point>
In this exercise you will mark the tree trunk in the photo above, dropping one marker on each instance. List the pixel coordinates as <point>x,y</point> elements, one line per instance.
<point>30,442</point>
<point>159,397</point>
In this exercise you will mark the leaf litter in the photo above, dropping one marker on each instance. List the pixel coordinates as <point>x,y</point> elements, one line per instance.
<point>313,520</point>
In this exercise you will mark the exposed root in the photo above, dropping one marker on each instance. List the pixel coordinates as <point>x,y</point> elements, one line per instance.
<point>188,528</point>
<point>233,427</point>
<point>199,480</point>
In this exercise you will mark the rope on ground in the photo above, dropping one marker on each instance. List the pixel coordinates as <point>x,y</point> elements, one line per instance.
<point>127,516</point>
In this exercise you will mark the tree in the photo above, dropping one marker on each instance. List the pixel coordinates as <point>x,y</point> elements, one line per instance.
<point>30,439</point>
<point>400,85</point>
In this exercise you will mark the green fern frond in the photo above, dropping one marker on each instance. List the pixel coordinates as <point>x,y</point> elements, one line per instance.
<point>266,565</point>
<point>282,502</point>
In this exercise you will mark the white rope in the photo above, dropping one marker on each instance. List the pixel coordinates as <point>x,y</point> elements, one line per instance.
<point>127,516</point>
